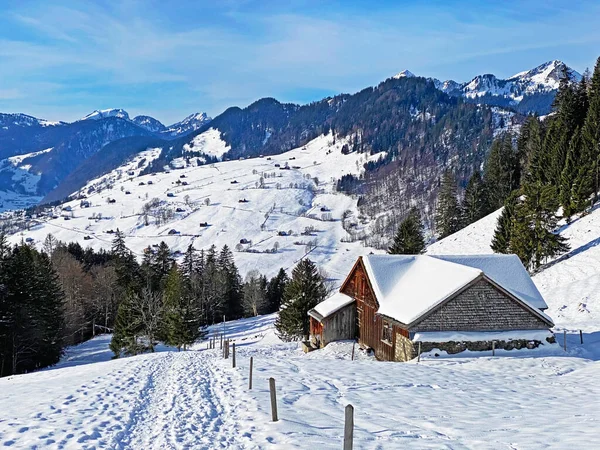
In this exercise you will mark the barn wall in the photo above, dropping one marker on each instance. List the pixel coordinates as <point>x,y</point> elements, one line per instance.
<point>481,307</point>
<point>316,330</point>
<point>370,325</point>
<point>340,325</point>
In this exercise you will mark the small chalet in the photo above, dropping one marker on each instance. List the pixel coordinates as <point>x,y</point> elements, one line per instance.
<point>393,303</point>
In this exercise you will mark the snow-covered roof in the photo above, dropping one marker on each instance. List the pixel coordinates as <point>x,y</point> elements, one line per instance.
<point>408,286</point>
<point>330,305</point>
<point>507,271</point>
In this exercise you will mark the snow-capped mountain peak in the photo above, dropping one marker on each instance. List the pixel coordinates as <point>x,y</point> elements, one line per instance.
<point>546,75</point>
<point>149,123</point>
<point>404,74</point>
<point>105,113</point>
<point>189,124</point>
<point>536,85</point>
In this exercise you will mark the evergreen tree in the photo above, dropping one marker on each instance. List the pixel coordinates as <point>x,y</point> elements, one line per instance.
<point>502,234</point>
<point>175,326</point>
<point>31,306</point>
<point>409,238</point>
<point>590,164</point>
<point>501,174</point>
<point>447,219</point>
<point>231,285</point>
<point>529,149</point>
<point>475,202</point>
<point>127,328</point>
<point>533,236</point>
<point>125,265</point>
<point>304,291</point>
<point>568,189</point>
<point>275,290</point>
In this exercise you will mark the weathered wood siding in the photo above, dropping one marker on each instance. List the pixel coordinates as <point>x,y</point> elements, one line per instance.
<point>481,307</point>
<point>370,324</point>
<point>316,332</point>
<point>340,325</point>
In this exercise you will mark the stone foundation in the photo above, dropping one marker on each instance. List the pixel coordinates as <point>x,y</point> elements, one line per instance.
<point>453,347</point>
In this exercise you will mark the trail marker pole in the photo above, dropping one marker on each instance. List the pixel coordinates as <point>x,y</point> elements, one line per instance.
<point>250,376</point>
<point>419,354</point>
<point>348,427</point>
<point>581,336</point>
<point>353,345</point>
<point>273,399</point>
<point>565,340</point>
<point>233,355</point>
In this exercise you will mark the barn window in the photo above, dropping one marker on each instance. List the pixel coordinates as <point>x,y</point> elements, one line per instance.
<point>387,332</point>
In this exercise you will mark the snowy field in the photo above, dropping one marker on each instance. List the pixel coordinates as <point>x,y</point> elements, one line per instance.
<point>238,208</point>
<point>522,399</point>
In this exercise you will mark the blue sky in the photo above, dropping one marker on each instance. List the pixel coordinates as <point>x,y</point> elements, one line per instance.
<point>62,59</point>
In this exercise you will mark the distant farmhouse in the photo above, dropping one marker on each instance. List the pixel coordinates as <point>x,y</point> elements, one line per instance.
<point>391,303</point>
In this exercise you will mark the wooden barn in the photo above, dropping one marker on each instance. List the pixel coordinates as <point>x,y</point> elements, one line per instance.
<point>390,303</point>
<point>332,320</point>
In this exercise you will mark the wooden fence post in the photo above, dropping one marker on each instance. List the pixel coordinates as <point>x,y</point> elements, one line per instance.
<point>353,345</point>
<point>221,345</point>
<point>565,340</point>
<point>419,355</point>
<point>581,336</point>
<point>250,377</point>
<point>493,348</point>
<point>348,427</point>
<point>233,355</point>
<point>273,400</point>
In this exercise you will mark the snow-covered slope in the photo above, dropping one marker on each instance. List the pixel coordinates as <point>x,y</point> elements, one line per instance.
<point>570,284</point>
<point>295,209</point>
<point>195,399</point>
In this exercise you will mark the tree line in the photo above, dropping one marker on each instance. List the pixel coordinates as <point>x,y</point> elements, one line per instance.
<point>63,294</point>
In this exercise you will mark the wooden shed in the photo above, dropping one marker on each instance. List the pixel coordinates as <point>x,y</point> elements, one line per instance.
<point>451,303</point>
<point>333,319</point>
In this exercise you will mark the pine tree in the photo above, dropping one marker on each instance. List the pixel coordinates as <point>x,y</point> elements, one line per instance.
<point>127,328</point>
<point>529,149</point>
<point>502,234</point>
<point>275,290</point>
<point>475,201</point>
<point>590,177</point>
<point>447,219</point>
<point>409,238</point>
<point>230,284</point>
<point>533,236</point>
<point>304,291</point>
<point>125,265</point>
<point>568,189</point>
<point>501,174</point>
<point>31,305</point>
<point>175,328</point>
